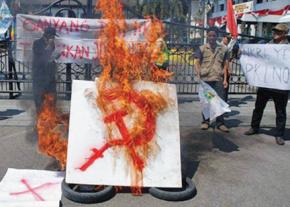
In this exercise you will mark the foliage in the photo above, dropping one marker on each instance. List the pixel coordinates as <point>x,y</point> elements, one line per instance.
<point>176,10</point>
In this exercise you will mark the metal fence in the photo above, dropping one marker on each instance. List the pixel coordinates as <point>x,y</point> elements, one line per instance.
<point>187,84</point>
<point>182,40</point>
<point>15,77</point>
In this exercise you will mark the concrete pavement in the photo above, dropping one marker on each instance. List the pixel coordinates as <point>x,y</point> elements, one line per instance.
<point>227,169</point>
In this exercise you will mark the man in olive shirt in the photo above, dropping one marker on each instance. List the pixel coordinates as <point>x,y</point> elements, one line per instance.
<point>280,97</point>
<point>211,66</point>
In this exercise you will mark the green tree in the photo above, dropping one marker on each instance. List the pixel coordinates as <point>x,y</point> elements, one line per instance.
<point>164,9</point>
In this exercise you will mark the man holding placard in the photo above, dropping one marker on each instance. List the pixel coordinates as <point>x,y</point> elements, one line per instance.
<point>211,66</point>
<point>280,97</point>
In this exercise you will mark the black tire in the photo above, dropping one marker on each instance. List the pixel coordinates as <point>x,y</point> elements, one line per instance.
<point>87,197</point>
<point>187,192</point>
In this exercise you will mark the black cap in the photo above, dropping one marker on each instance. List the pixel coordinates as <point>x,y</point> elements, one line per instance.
<point>50,31</point>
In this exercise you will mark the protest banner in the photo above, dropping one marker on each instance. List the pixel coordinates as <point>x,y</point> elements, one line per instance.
<point>266,65</point>
<point>87,138</point>
<point>77,40</point>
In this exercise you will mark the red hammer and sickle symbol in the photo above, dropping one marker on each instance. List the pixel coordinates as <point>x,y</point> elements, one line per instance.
<point>127,140</point>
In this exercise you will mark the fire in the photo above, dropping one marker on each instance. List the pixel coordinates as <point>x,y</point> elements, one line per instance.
<point>122,66</point>
<point>52,130</point>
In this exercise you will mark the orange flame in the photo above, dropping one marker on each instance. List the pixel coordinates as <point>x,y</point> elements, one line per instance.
<point>122,65</point>
<point>52,130</point>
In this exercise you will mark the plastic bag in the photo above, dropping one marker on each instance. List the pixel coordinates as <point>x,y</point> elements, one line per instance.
<point>212,105</point>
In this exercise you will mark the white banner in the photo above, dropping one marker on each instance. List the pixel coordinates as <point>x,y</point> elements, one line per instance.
<point>77,40</point>
<point>266,65</point>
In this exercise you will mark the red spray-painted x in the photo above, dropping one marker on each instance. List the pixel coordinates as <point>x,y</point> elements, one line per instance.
<point>33,190</point>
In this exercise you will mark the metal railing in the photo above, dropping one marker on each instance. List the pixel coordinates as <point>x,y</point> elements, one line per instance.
<point>182,40</point>
<point>17,79</point>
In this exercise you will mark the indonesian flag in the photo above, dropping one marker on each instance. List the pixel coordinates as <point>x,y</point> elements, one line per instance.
<point>231,20</point>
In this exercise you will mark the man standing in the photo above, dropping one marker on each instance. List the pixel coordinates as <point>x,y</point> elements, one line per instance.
<point>280,97</point>
<point>230,44</point>
<point>226,42</point>
<point>44,67</point>
<point>211,66</point>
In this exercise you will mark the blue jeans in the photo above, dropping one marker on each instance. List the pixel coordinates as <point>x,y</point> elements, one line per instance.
<point>219,89</point>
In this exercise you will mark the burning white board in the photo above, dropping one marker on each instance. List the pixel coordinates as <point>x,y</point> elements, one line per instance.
<point>87,131</point>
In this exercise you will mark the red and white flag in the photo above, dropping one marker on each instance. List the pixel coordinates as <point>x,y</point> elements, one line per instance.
<point>231,20</point>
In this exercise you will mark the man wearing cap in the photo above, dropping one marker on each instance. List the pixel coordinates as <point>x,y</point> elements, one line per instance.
<point>44,67</point>
<point>280,97</point>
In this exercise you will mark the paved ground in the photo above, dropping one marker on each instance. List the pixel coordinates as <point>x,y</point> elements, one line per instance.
<point>228,169</point>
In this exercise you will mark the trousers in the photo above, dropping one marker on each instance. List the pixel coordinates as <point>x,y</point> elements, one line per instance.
<point>280,98</point>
